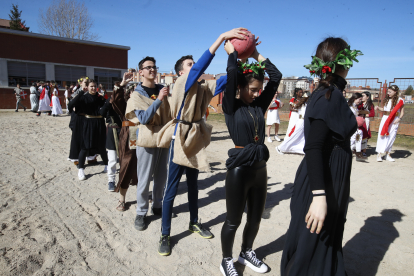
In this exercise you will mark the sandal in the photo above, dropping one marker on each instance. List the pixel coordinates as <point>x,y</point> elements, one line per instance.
<point>121,206</point>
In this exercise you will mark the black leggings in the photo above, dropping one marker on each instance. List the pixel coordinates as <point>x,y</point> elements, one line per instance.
<point>85,153</point>
<point>244,184</point>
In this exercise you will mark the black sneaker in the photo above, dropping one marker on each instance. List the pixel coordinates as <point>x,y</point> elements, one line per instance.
<point>227,267</point>
<point>157,211</point>
<point>249,258</point>
<point>139,223</point>
<point>16,110</point>
<point>198,228</point>
<point>24,109</point>
<point>164,247</point>
<point>111,186</point>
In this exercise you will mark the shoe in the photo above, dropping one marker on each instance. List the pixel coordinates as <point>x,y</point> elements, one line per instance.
<point>157,211</point>
<point>388,158</point>
<point>249,258</point>
<point>81,174</point>
<point>227,267</point>
<point>93,161</point>
<point>139,223</point>
<point>105,169</point>
<point>278,151</point>
<point>24,109</point>
<point>364,154</point>
<point>38,114</point>
<point>277,138</point>
<point>164,247</point>
<point>121,206</point>
<point>76,163</point>
<point>379,158</point>
<point>111,186</point>
<point>198,228</point>
<point>16,110</point>
<point>269,139</point>
<point>359,157</point>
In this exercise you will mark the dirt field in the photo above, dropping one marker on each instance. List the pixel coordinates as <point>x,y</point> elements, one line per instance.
<point>53,224</point>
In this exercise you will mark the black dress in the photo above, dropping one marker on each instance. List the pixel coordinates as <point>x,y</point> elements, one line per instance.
<point>89,132</point>
<point>329,124</point>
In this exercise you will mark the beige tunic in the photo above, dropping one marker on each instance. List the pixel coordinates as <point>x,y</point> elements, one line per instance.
<point>190,139</point>
<point>147,135</point>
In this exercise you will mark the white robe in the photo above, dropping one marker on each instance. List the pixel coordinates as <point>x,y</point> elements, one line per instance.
<point>56,107</point>
<point>296,141</point>
<point>273,114</point>
<point>384,143</point>
<point>44,104</point>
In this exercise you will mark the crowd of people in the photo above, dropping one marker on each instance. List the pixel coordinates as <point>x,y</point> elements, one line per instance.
<point>363,109</point>
<point>158,135</point>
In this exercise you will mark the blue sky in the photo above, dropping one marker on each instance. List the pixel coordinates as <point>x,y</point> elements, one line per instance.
<point>289,30</point>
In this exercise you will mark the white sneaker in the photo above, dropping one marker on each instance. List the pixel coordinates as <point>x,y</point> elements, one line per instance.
<point>388,158</point>
<point>105,169</point>
<point>379,158</point>
<point>227,267</point>
<point>269,139</point>
<point>277,138</point>
<point>81,174</point>
<point>278,150</point>
<point>249,258</point>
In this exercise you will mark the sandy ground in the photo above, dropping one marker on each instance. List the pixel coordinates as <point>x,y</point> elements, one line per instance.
<point>53,224</point>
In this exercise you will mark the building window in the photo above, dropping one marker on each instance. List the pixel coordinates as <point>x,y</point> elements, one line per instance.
<point>24,73</point>
<point>107,77</point>
<point>65,75</point>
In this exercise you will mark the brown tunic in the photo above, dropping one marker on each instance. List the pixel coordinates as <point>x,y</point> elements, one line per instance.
<point>127,156</point>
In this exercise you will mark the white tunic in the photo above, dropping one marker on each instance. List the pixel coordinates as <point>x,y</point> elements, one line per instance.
<point>384,143</point>
<point>273,114</point>
<point>44,104</point>
<point>296,141</point>
<point>56,107</point>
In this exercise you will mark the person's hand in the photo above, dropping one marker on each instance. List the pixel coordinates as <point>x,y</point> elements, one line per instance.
<point>228,46</point>
<point>128,77</point>
<point>397,121</point>
<point>316,215</point>
<point>376,108</point>
<point>163,93</point>
<point>239,33</point>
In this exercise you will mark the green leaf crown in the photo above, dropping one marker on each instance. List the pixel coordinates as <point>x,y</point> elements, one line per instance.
<point>257,68</point>
<point>346,58</point>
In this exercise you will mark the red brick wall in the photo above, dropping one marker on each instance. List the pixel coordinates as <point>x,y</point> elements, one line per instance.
<point>46,50</point>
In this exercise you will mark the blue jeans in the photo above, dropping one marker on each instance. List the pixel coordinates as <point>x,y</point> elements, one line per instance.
<point>174,174</point>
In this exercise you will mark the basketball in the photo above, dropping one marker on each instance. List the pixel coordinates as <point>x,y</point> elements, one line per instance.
<point>244,47</point>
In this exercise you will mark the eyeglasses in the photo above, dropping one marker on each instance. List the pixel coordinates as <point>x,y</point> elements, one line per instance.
<point>150,67</point>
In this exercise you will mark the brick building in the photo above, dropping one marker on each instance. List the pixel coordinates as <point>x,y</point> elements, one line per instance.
<point>26,57</point>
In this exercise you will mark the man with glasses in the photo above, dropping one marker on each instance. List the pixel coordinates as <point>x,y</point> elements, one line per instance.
<point>148,108</point>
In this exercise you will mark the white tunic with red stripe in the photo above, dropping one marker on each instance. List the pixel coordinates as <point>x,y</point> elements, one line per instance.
<point>295,139</point>
<point>273,113</point>
<point>384,143</point>
<point>44,101</point>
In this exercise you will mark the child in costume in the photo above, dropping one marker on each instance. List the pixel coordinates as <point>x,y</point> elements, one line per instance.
<point>295,140</point>
<point>393,111</point>
<point>273,117</point>
<point>246,179</point>
<point>187,135</point>
<point>148,108</point>
<point>321,188</point>
<point>55,103</point>
<point>357,144</point>
<point>293,114</point>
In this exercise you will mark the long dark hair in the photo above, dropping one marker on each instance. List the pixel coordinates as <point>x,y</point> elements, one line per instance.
<point>368,104</point>
<point>327,51</point>
<point>354,96</point>
<point>301,102</point>
<point>295,93</point>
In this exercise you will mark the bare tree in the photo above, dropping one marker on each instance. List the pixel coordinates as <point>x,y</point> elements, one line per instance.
<point>67,18</point>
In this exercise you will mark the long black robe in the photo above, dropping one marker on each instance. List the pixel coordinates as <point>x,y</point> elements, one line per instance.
<point>314,254</point>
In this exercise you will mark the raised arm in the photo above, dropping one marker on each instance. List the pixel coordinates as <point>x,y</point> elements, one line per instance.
<point>229,98</point>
